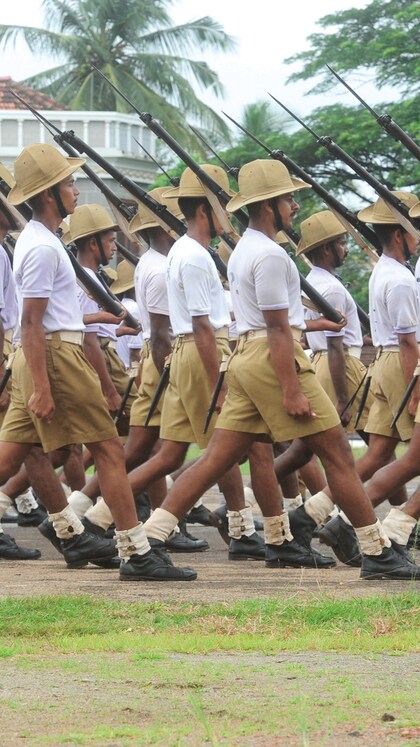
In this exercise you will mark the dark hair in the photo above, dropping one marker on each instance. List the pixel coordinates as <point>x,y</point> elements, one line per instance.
<point>254,209</point>
<point>384,231</point>
<point>189,205</point>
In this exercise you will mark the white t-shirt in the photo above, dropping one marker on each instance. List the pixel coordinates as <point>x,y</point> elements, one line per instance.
<point>262,277</point>
<point>8,300</point>
<point>194,287</point>
<point>125,343</point>
<point>42,269</point>
<point>417,276</point>
<point>338,296</point>
<point>233,330</point>
<point>150,287</point>
<point>393,301</point>
<point>88,305</point>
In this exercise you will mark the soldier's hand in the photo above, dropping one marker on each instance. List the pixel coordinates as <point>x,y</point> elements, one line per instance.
<point>221,398</point>
<point>113,400</point>
<point>330,326</point>
<point>298,406</point>
<point>345,414</point>
<point>105,317</point>
<point>42,405</point>
<point>413,404</point>
<point>4,401</point>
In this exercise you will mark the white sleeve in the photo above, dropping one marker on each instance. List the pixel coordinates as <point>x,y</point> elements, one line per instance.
<point>403,307</point>
<point>271,273</point>
<point>197,284</point>
<point>38,270</point>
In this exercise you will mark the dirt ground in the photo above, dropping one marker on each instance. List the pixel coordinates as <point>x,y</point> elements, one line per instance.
<point>271,701</point>
<point>219,580</point>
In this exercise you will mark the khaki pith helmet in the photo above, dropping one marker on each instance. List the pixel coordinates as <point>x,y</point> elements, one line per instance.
<point>145,218</point>
<point>190,185</point>
<point>261,180</point>
<point>39,167</point>
<point>11,213</point>
<point>125,277</point>
<point>415,210</point>
<point>65,236</point>
<point>224,252</point>
<point>90,219</point>
<point>319,229</point>
<point>111,273</point>
<point>6,175</point>
<point>281,238</point>
<point>379,213</point>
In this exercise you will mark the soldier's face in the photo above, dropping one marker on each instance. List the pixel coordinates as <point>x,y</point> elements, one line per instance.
<point>108,243</point>
<point>288,208</point>
<point>412,243</point>
<point>69,193</point>
<point>341,250</point>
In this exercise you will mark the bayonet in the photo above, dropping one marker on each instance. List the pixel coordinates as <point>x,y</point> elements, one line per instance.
<point>384,120</point>
<point>398,208</point>
<point>346,216</point>
<point>169,222</point>
<point>172,179</point>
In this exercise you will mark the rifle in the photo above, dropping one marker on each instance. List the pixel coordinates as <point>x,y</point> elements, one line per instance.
<point>169,222</point>
<point>129,256</point>
<point>319,301</point>
<point>101,293</point>
<point>215,193</point>
<point>407,394</point>
<point>174,180</point>
<point>363,398</point>
<point>216,392</point>
<point>103,297</point>
<point>163,381</point>
<point>349,219</point>
<point>398,208</point>
<point>384,120</point>
<point>214,190</point>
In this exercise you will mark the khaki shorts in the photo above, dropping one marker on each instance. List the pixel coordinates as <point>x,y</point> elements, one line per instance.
<point>150,378</point>
<point>188,395</point>
<point>388,386</point>
<point>254,403</point>
<point>7,350</point>
<point>120,379</point>
<point>81,414</point>
<point>355,374</point>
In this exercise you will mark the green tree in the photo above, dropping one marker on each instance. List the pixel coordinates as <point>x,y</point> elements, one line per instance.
<point>381,38</point>
<point>137,46</point>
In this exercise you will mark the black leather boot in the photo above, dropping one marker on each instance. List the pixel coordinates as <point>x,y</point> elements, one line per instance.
<point>154,566</point>
<point>9,550</point>
<point>389,565</point>
<point>343,540</point>
<point>183,541</point>
<point>247,548</point>
<point>93,548</point>
<point>292,555</point>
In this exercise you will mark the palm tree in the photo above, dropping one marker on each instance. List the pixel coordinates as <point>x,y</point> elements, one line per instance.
<point>135,44</point>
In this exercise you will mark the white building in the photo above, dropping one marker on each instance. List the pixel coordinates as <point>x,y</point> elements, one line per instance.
<point>112,134</point>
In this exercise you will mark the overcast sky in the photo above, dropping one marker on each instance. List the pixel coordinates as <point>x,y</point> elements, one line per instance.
<point>267,32</point>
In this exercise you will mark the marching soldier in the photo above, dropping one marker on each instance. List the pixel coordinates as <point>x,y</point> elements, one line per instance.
<point>394,311</point>
<point>92,229</point>
<point>152,298</point>
<point>335,355</point>
<point>9,550</point>
<point>50,368</point>
<point>273,391</point>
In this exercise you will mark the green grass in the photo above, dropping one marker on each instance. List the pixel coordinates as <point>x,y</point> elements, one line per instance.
<point>81,671</point>
<point>377,624</point>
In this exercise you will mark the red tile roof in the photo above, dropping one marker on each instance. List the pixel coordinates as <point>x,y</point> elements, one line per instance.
<point>37,99</point>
